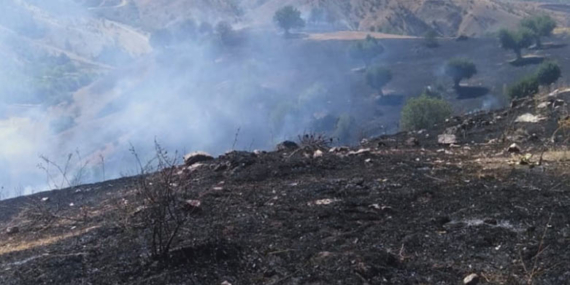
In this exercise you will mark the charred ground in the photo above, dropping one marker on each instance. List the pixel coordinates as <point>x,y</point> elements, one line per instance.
<point>399,209</point>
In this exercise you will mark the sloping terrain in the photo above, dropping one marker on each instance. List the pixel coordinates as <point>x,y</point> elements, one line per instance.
<point>448,17</point>
<point>398,210</point>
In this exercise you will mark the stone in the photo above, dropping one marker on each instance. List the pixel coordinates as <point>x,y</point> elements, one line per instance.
<point>558,103</point>
<point>471,279</point>
<point>318,153</point>
<point>287,145</point>
<point>447,139</point>
<point>339,149</point>
<point>361,151</point>
<point>461,38</point>
<point>529,118</point>
<point>514,148</point>
<point>412,142</point>
<point>192,205</point>
<point>12,230</point>
<point>45,199</point>
<point>490,221</point>
<point>195,157</point>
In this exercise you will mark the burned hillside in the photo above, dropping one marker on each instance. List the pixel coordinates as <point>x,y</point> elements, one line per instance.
<point>488,198</point>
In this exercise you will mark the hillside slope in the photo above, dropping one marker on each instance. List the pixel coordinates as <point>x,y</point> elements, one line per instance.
<point>396,210</point>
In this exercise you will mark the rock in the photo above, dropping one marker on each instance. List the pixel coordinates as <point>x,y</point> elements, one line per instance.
<point>446,139</point>
<point>236,158</point>
<point>412,142</point>
<point>259,152</point>
<point>529,118</point>
<point>196,157</point>
<point>192,205</point>
<point>514,148</point>
<point>471,279</point>
<point>543,105</point>
<point>318,153</point>
<point>461,38</point>
<point>45,199</point>
<point>12,230</point>
<point>558,103</point>
<point>287,145</point>
<point>339,149</point>
<point>361,151</point>
<point>226,283</point>
<point>490,221</point>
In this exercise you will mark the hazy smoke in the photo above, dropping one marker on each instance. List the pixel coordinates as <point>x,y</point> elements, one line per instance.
<point>190,94</point>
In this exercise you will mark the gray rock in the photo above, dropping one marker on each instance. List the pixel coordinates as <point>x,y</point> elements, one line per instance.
<point>514,148</point>
<point>195,157</point>
<point>471,279</point>
<point>447,139</point>
<point>12,230</point>
<point>287,145</point>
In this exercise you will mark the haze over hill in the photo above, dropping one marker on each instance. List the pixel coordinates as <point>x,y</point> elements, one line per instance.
<point>82,75</point>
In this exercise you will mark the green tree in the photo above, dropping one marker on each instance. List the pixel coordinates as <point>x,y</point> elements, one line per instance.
<point>527,86</point>
<point>424,112</point>
<point>377,77</point>
<point>288,18</point>
<point>516,40</point>
<point>542,26</point>
<point>459,69</point>
<point>366,50</point>
<point>430,39</point>
<point>548,73</point>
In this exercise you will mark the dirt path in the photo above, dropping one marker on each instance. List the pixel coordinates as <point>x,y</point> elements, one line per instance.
<point>354,35</point>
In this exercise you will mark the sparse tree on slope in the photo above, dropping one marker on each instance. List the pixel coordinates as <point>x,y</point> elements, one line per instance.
<point>459,69</point>
<point>289,18</point>
<point>377,77</point>
<point>516,41</point>
<point>542,26</point>
<point>366,50</point>
<point>548,73</point>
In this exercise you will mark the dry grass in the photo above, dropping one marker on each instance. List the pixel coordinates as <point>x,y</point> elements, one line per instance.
<point>42,242</point>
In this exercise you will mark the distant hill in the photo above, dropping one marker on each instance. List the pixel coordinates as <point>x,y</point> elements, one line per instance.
<point>447,17</point>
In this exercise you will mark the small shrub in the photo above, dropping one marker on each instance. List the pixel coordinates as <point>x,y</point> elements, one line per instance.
<point>459,69</point>
<point>423,112</point>
<point>366,50</point>
<point>430,39</point>
<point>528,86</point>
<point>548,73</point>
<point>377,77</point>
<point>314,141</point>
<point>288,18</point>
<point>162,213</point>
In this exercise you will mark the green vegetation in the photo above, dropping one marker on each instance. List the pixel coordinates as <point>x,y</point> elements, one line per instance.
<point>366,50</point>
<point>542,26</point>
<point>516,40</point>
<point>377,77</point>
<point>548,73</point>
<point>430,39</point>
<point>527,86</point>
<point>288,18</point>
<point>424,112</point>
<point>459,69</point>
